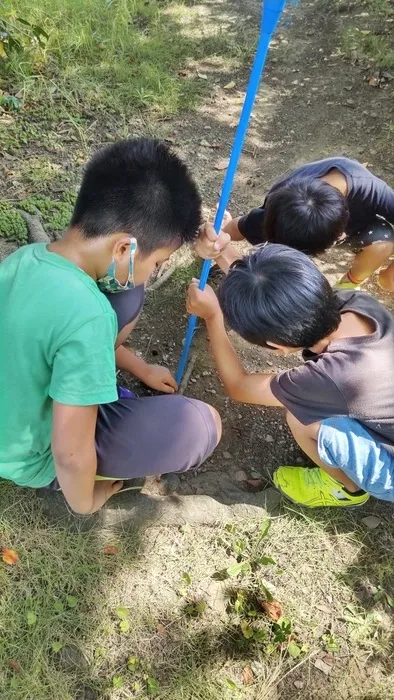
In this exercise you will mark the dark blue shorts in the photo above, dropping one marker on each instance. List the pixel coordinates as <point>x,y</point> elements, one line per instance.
<point>379,231</point>
<point>150,435</point>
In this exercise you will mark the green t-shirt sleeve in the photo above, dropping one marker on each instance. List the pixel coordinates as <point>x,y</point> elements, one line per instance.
<point>84,370</point>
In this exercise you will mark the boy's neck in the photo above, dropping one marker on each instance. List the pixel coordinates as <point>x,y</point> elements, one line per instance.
<point>336,179</point>
<point>352,325</point>
<point>74,248</point>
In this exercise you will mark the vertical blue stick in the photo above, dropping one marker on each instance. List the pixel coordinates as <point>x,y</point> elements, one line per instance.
<point>272,11</point>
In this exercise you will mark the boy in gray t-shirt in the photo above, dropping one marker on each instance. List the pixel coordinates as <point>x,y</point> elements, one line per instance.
<point>340,403</point>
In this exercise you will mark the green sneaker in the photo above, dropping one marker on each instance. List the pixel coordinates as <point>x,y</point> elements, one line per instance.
<point>314,488</point>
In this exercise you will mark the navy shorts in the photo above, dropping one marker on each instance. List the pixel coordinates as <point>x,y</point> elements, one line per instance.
<point>378,231</point>
<point>144,436</point>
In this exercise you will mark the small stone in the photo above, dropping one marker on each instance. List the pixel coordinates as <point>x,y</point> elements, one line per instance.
<point>227,455</point>
<point>298,684</point>
<point>205,373</point>
<point>171,482</point>
<point>240,475</point>
<point>255,475</point>
<point>193,380</point>
<point>269,438</point>
<point>371,522</point>
<point>255,484</point>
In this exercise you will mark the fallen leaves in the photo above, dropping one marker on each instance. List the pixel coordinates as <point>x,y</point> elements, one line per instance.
<point>371,522</point>
<point>14,665</point>
<point>229,85</point>
<point>110,549</point>
<point>322,666</point>
<point>9,556</point>
<point>273,609</point>
<point>247,676</point>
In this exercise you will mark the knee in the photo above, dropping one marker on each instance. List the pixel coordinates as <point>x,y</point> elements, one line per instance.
<point>383,249</point>
<point>386,278</point>
<point>297,428</point>
<point>218,422</point>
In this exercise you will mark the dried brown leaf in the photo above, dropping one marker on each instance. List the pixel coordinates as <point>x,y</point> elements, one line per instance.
<point>247,676</point>
<point>273,609</point>
<point>110,549</point>
<point>9,556</point>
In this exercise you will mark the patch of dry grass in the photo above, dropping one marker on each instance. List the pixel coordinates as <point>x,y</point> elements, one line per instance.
<point>186,637</point>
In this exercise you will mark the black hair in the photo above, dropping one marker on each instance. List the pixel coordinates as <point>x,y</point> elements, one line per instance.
<point>278,294</point>
<point>138,187</point>
<point>308,214</point>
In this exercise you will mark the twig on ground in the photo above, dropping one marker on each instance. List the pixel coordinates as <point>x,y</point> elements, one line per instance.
<point>188,373</point>
<point>165,276</point>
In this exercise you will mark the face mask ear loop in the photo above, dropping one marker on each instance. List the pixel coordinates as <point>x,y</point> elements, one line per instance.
<point>133,250</point>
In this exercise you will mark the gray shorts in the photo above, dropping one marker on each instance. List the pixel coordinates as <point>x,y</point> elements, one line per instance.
<point>150,435</point>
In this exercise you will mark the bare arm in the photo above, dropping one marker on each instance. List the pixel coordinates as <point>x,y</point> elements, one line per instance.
<point>154,376</point>
<point>74,453</point>
<point>232,228</point>
<point>238,383</point>
<point>129,362</point>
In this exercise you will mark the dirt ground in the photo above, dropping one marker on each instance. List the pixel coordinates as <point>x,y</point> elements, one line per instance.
<point>314,103</point>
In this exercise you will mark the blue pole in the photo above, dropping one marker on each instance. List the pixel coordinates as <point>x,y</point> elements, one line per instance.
<point>272,11</point>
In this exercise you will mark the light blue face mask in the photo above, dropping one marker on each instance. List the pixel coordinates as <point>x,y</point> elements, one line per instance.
<point>110,284</point>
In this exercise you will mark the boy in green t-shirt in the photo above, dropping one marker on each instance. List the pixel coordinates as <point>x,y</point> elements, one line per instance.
<point>63,422</point>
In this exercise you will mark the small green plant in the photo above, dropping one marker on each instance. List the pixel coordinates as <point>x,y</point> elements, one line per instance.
<point>18,35</point>
<point>10,103</point>
<point>123,614</point>
<point>382,596</point>
<point>55,214</point>
<point>330,643</point>
<point>12,226</point>
<point>247,552</point>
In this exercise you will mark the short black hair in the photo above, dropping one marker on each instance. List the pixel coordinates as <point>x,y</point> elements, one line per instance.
<point>278,294</point>
<point>308,214</point>
<point>139,187</point>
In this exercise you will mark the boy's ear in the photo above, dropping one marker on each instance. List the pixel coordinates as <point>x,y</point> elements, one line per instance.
<point>122,247</point>
<point>274,346</point>
<point>280,349</point>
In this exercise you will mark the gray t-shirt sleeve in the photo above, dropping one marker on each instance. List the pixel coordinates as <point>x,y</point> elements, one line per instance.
<point>309,394</point>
